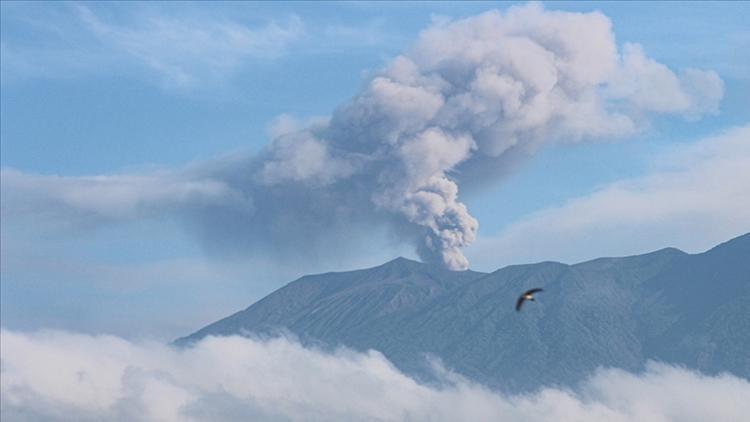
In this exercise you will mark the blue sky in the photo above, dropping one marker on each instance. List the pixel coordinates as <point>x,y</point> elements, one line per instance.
<point>97,89</point>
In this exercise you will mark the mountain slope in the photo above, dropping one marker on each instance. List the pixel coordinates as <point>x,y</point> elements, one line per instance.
<point>666,305</point>
<point>341,306</point>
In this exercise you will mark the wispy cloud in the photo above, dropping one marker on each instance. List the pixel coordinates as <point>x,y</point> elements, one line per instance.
<point>177,51</point>
<point>180,49</point>
<point>188,51</point>
<point>109,197</point>
<point>233,378</point>
<point>693,198</point>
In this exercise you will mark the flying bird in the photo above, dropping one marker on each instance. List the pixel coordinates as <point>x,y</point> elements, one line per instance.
<point>527,295</point>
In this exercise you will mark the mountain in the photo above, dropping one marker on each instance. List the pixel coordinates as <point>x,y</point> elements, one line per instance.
<point>667,305</point>
<point>342,307</point>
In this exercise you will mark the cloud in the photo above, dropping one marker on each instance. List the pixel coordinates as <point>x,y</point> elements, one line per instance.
<point>52,375</point>
<point>693,198</point>
<point>185,51</point>
<point>651,86</point>
<point>469,99</point>
<point>109,197</point>
<point>182,51</point>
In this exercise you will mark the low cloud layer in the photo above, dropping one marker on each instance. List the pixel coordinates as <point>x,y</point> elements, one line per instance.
<point>693,198</point>
<point>468,100</point>
<point>65,376</point>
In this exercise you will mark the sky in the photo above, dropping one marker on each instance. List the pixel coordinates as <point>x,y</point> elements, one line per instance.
<point>167,164</point>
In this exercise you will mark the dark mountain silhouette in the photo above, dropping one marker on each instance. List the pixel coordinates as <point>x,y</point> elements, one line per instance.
<point>692,310</point>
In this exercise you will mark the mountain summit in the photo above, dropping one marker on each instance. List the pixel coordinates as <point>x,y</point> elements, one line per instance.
<point>666,305</point>
<point>342,306</point>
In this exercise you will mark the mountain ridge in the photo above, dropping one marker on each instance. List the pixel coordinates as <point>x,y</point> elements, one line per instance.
<point>603,312</point>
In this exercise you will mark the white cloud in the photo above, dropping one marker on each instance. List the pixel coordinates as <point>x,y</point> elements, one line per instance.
<point>65,376</point>
<point>187,51</point>
<point>651,86</point>
<point>694,198</point>
<point>176,49</point>
<point>109,197</point>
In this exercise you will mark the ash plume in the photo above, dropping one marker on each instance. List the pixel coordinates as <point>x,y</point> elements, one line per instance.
<point>475,90</point>
<point>465,103</point>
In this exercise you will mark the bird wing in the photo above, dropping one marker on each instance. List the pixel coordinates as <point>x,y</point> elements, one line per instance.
<point>534,290</point>
<point>519,302</point>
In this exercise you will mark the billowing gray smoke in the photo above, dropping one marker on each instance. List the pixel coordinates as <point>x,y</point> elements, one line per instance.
<point>466,100</point>
<point>478,88</point>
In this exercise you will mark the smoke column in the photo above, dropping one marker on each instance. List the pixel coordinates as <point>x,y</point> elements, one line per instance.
<point>474,90</point>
